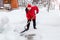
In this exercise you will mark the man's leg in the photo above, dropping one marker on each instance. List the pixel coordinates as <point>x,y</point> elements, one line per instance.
<point>28,24</point>
<point>34,23</point>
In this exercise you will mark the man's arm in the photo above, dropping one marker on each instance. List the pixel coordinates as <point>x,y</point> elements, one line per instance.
<point>26,10</point>
<point>36,10</point>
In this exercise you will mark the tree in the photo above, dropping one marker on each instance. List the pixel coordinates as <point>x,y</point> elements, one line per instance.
<point>49,2</point>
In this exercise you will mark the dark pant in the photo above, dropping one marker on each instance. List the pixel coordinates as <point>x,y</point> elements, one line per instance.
<point>28,25</point>
<point>34,24</point>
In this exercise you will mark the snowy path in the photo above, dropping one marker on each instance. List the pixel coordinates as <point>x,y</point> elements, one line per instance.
<point>48,25</point>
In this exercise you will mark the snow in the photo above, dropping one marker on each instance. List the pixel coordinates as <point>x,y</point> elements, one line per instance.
<point>13,22</point>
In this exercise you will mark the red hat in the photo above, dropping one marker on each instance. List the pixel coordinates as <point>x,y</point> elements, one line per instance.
<point>29,5</point>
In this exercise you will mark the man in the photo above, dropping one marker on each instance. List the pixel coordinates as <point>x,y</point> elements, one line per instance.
<point>31,12</point>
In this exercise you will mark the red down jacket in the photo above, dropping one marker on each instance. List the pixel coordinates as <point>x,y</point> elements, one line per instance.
<point>30,14</point>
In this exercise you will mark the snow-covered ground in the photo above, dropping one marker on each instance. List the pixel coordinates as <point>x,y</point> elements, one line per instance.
<point>13,22</point>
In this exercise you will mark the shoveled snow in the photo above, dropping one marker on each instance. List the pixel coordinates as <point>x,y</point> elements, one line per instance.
<point>13,22</point>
